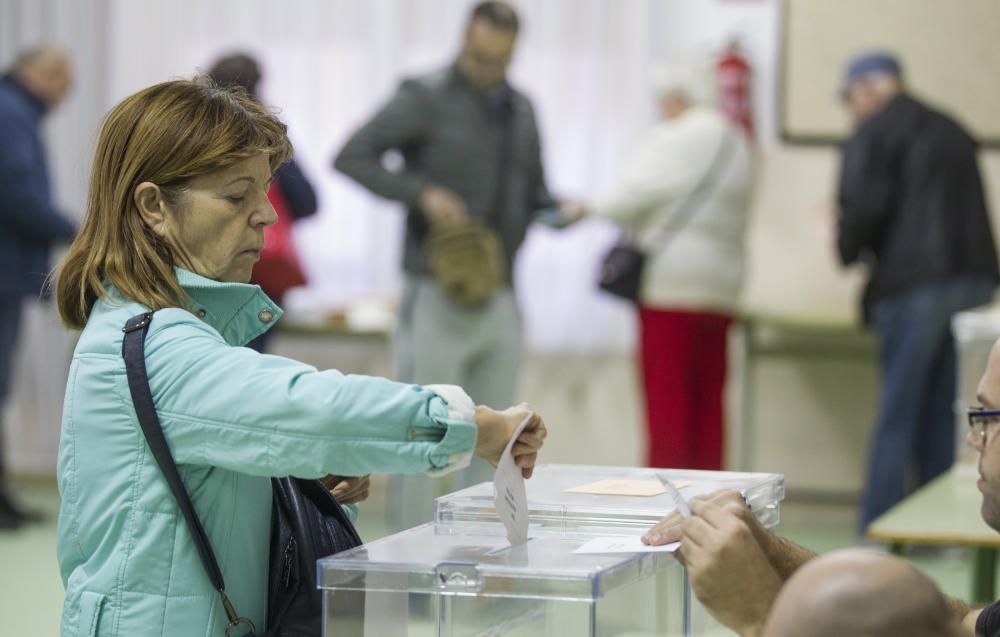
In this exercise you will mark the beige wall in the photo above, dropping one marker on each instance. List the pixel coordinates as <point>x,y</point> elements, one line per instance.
<point>949,50</point>
<point>793,270</point>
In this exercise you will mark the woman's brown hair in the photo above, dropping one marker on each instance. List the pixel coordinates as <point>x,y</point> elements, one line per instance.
<point>166,134</point>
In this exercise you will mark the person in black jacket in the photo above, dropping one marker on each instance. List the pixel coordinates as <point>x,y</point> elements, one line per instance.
<point>240,69</point>
<point>30,222</point>
<point>912,210</point>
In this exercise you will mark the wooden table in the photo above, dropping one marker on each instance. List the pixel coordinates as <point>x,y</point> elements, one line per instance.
<point>946,511</point>
<point>335,325</point>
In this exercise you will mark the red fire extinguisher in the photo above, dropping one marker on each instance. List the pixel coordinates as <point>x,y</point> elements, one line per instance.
<point>734,77</point>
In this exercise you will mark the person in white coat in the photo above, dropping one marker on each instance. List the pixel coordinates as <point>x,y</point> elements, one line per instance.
<point>684,195</point>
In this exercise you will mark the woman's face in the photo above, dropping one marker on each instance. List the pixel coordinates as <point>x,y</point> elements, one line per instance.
<point>217,229</point>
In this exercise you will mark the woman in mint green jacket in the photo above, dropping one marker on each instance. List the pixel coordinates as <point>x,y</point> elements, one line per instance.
<point>174,224</point>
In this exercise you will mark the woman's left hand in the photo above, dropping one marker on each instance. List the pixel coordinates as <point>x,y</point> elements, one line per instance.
<point>348,490</point>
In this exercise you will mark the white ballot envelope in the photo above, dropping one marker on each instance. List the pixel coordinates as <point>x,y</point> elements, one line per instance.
<point>628,544</point>
<point>509,496</point>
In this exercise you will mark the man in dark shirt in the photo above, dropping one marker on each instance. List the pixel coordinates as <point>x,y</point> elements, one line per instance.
<point>29,221</point>
<point>471,151</point>
<point>737,567</point>
<point>912,210</point>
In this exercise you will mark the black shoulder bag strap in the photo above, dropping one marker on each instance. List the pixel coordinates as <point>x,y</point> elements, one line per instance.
<point>688,206</point>
<point>134,353</point>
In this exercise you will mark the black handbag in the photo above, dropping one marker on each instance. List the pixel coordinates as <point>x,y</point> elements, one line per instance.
<point>623,265</point>
<point>307,521</point>
<point>621,270</point>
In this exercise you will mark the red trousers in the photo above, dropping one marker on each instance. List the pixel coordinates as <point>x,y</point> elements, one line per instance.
<point>683,363</point>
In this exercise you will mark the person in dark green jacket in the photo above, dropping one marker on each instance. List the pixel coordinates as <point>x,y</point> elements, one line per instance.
<point>472,159</point>
<point>174,225</point>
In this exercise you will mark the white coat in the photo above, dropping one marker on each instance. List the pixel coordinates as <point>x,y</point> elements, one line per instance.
<point>701,265</point>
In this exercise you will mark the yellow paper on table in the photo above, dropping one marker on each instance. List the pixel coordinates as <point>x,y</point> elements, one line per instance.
<point>616,486</point>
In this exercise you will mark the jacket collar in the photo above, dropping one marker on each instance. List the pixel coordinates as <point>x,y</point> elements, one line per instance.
<point>240,312</point>
<point>502,93</point>
<point>37,106</point>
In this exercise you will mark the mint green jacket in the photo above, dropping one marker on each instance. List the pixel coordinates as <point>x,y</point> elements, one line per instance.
<point>233,418</point>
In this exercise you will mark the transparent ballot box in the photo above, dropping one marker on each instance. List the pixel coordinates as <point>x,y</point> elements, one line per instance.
<point>422,582</point>
<point>556,500</point>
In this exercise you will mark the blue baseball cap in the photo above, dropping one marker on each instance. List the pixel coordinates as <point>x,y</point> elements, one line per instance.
<point>869,63</point>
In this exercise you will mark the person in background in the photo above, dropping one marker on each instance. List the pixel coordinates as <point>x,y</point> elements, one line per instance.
<point>472,161</point>
<point>30,222</point>
<point>290,190</point>
<point>737,566</point>
<point>913,213</point>
<point>863,594</point>
<point>174,224</point>
<point>695,250</point>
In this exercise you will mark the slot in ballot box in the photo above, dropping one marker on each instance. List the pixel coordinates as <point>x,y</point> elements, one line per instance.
<point>604,500</point>
<point>420,582</point>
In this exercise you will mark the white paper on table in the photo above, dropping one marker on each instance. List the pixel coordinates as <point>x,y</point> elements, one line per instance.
<point>627,544</point>
<point>509,496</point>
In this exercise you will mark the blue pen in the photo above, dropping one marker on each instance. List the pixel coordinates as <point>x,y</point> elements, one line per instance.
<point>676,496</point>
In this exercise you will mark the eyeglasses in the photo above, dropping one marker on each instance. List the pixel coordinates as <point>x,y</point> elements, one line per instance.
<point>980,418</point>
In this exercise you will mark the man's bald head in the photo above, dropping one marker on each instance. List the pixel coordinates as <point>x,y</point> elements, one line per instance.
<point>46,72</point>
<point>862,594</point>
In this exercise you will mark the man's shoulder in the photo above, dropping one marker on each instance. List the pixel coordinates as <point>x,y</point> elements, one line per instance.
<point>13,104</point>
<point>520,99</point>
<point>444,79</point>
<point>8,96</point>
<point>947,124</point>
<point>20,131</point>
<point>906,113</point>
<point>988,621</point>
<point>907,118</point>
<point>434,81</point>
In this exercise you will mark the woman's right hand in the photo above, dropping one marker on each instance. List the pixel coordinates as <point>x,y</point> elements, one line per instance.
<point>496,429</point>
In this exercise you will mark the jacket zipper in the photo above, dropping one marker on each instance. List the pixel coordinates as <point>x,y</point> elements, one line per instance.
<point>418,435</point>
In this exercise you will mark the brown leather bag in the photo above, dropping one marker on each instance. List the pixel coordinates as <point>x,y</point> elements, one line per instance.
<point>466,260</point>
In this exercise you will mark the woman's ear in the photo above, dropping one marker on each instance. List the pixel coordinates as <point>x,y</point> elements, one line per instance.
<point>149,201</point>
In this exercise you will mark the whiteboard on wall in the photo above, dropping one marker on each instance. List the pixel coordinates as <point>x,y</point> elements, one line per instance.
<point>949,49</point>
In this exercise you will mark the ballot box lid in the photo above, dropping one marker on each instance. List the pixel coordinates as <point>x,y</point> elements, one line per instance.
<point>555,500</point>
<point>422,560</point>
